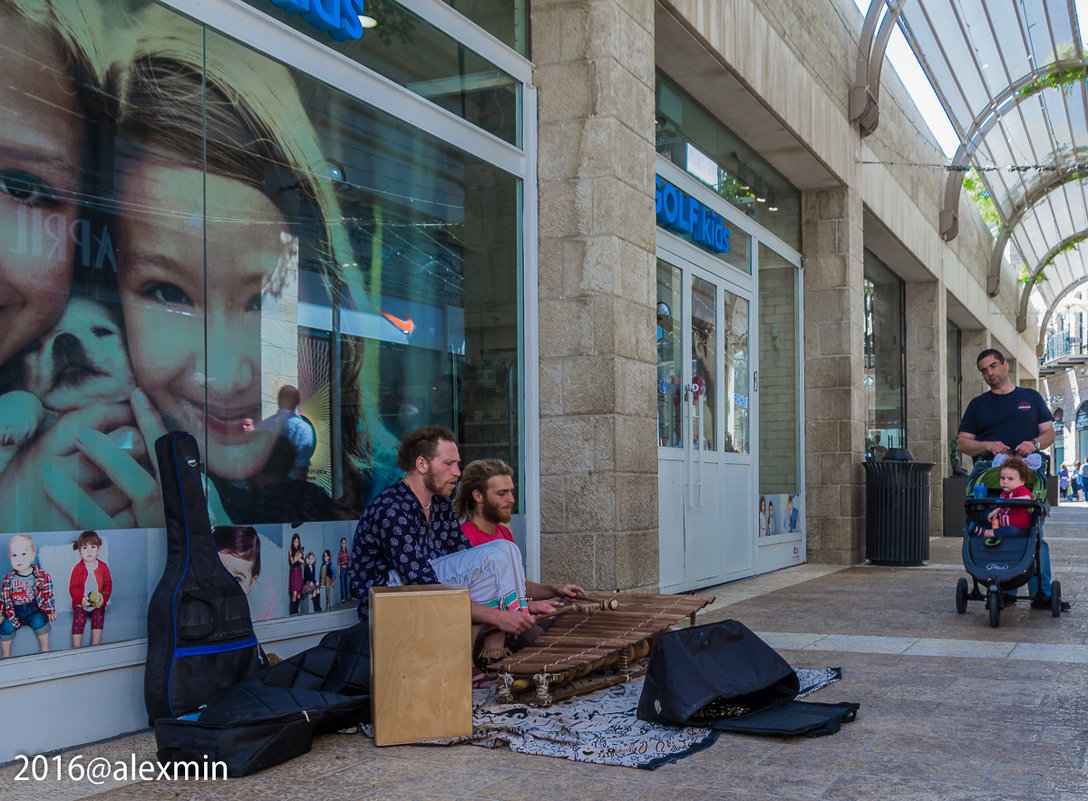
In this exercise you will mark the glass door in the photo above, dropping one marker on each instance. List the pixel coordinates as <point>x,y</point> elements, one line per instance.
<point>705,461</point>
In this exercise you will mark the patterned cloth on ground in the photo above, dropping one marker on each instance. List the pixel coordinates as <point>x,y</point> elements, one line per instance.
<point>599,727</point>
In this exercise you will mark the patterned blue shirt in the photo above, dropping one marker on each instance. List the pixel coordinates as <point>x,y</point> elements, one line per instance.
<point>393,534</point>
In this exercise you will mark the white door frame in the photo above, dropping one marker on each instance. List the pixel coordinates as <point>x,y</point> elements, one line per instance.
<point>712,485</point>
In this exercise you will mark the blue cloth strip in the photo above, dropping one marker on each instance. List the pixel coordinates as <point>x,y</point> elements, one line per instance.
<point>197,650</point>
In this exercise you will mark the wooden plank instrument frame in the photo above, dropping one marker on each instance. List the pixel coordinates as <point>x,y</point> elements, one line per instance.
<point>604,631</point>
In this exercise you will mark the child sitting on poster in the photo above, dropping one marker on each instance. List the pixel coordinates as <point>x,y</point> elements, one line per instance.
<point>26,596</point>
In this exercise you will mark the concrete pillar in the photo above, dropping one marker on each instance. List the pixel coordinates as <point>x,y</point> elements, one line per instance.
<point>832,233</point>
<point>595,74</point>
<point>927,388</point>
<point>975,341</point>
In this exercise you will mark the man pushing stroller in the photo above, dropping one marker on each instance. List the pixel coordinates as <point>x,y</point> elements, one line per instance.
<point>1005,421</point>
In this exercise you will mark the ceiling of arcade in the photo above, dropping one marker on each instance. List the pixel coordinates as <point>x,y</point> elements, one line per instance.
<point>1011,74</point>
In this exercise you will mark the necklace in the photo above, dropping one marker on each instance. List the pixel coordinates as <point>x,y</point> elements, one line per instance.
<point>409,486</point>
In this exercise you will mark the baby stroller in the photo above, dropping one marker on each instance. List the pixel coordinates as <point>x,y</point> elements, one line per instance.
<point>1001,564</point>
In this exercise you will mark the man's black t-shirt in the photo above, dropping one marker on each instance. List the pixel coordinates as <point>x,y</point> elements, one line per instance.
<point>1011,418</point>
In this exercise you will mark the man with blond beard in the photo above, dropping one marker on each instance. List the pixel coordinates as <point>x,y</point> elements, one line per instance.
<point>485,501</point>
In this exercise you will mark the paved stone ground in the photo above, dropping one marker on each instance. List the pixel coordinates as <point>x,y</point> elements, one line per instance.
<point>950,708</point>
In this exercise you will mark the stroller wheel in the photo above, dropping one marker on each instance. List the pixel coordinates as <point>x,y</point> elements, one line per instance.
<point>961,595</point>
<point>1056,598</point>
<point>994,602</point>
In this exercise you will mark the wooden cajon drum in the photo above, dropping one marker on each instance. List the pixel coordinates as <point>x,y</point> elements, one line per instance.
<point>420,663</point>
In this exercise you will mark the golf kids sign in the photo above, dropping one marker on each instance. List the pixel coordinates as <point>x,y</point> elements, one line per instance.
<point>678,210</point>
<point>340,18</point>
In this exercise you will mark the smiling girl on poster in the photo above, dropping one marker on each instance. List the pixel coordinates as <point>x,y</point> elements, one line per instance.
<point>217,172</point>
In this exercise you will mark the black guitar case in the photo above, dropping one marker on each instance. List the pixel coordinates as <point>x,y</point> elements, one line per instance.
<point>199,634</point>
<point>274,715</point>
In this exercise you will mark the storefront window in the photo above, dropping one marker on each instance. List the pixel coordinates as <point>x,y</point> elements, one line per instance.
<point>292,276</point>
<point>695,141</point>
<point>737,388</point>
<point>1080,428</point>
<point>413,53</point>
<point>506,20</point>
<point>670,374</point>
<point>1059,439</point>
<point>779,399</point>
<point>885,360</point>
<point>704,337</point>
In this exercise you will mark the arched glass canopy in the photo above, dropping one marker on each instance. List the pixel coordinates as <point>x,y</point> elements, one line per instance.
<point>1011,75</point>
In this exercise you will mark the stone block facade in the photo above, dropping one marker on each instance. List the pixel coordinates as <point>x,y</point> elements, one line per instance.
<point>595,76</point>
<point>832,233</point>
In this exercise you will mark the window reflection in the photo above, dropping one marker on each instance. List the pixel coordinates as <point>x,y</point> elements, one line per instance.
<point>704,316</point>
<point>779,372</point>
<point>885,360</point>
<point>670,309</point>
<point>427,61</point>
<point>736,437</point>
<point>694,140</point>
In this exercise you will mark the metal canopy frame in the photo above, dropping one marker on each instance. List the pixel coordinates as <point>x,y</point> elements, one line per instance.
<point>1011,75</point>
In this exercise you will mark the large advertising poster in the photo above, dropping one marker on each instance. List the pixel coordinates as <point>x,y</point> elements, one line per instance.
<point>161,198</point>
<point>196,237</point>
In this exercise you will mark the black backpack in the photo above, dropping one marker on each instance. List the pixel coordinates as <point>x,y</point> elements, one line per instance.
<point>722,676</point>
<point>199,634</point>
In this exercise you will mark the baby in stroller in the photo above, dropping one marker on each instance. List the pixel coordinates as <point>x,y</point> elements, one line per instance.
<point>1013,479</point>
<point>1003,548</point>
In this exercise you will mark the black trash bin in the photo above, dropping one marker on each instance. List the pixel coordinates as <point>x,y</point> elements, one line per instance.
<point>897,510</point>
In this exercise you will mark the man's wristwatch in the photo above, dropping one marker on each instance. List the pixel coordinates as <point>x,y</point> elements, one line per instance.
<point>1035,442</point>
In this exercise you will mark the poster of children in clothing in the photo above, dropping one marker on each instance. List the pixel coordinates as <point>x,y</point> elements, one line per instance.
<point>316,562</point>
<point>780,514</point>
<point>66,589</point>
<point>285,569</point>
<point>60,582</point>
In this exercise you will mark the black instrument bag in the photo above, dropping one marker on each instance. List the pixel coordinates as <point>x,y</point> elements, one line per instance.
<point>274,715</point>
<point>199,634</point>
<point>722,676</point>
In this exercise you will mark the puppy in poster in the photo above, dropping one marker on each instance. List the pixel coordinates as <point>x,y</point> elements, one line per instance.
<point>81,361</point>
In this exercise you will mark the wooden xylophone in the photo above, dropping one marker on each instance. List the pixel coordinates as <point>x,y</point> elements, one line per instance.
<point>601,632</point>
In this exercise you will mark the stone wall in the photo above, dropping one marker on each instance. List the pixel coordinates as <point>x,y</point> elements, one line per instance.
<point>927,421</point>
<point>595,74</point>
<point>834,395</point>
